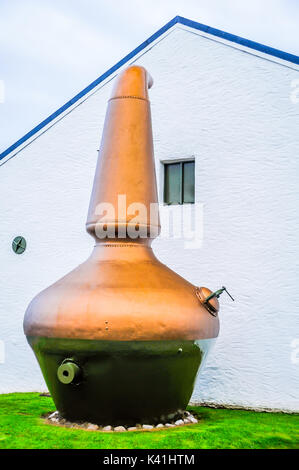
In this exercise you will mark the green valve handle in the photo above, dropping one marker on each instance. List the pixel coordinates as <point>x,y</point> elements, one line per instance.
<point>68,372</point>
<point>217,294</point>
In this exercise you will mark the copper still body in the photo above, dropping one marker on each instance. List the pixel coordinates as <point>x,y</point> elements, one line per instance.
<point>119,338</point>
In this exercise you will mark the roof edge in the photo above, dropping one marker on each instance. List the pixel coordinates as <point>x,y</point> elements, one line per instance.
<point>177,19</point>
<point>239,40</point>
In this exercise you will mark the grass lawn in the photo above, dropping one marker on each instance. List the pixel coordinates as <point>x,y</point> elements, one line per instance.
<point>21,427</point>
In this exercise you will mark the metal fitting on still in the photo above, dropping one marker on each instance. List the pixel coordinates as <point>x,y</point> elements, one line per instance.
<point>69,372</point>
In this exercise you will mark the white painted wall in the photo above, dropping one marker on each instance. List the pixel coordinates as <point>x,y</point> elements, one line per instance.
<point>232,111</point>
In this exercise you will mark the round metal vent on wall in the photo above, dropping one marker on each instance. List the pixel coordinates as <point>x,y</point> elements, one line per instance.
<point>19,245</point>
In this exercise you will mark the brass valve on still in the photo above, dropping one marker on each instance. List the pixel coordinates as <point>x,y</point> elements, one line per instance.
<point>209,299</point>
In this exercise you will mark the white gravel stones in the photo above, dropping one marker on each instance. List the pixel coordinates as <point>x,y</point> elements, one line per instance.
<point>107,428</point>
<point>178,419</point>
<point>179,422</point>
<point>120,429</point>
<point>54,415</point>
<point>92,427</point>
<point>147,426</point>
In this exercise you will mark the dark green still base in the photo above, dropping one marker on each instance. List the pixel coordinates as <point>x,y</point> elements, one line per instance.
<point>121,382</point>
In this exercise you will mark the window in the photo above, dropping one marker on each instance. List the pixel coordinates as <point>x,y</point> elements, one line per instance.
<point>179,182</point>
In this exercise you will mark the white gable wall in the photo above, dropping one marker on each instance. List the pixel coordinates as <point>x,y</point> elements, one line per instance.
<point>232,111</point>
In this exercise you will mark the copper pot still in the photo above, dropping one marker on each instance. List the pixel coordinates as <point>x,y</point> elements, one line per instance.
<point>121,338</point>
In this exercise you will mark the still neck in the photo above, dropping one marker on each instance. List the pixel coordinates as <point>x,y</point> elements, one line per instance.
<point>123,250</point>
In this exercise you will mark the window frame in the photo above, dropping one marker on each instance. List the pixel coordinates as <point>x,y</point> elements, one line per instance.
<point>181,162</point>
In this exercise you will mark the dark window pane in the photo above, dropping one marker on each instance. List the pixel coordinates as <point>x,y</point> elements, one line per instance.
<point>173,183</point>
<point>188,182</point>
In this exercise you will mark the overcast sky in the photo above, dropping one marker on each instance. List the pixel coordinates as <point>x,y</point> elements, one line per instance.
<point>51,49</point>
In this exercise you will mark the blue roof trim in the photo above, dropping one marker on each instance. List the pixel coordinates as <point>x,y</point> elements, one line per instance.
<point>237,39</point>
<point>178,19</point>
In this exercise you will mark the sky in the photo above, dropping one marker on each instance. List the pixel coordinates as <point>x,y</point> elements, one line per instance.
<point>51,49</point>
